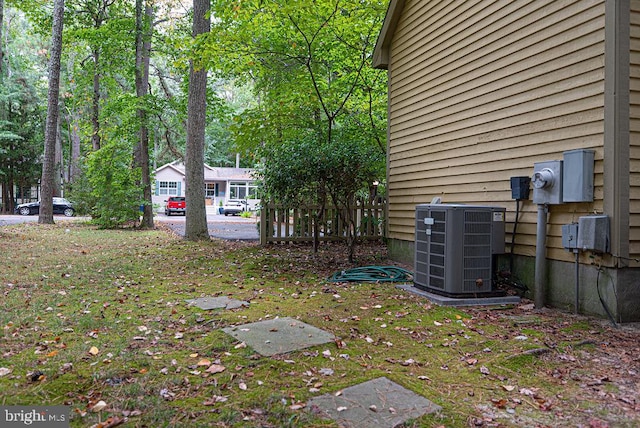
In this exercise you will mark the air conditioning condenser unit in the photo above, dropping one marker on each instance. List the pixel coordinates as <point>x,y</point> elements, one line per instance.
<point>455,248</point>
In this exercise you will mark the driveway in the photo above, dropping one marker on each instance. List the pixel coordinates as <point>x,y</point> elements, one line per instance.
<point>232,227</point>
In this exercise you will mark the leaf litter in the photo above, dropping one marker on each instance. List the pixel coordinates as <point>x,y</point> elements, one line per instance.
<point>511,366</point>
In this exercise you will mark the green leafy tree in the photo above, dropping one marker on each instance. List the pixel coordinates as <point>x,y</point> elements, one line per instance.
<point>21,114</point>
<point>320,121</point>
<point>114,184</point>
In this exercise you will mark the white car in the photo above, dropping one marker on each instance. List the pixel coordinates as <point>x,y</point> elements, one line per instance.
<point>234,207</point>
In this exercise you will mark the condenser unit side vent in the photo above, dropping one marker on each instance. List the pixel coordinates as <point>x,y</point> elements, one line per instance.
<point>455,248</point>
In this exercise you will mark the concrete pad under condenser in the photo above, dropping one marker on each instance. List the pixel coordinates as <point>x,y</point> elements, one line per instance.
<point>376,403</point>
<point>279,335</point>
<point>460,301</point>
<point>209,303</point>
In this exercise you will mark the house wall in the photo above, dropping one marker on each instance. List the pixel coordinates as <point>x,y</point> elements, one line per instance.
<point>479,92</point>
<point>634,128</point>
<point>166,174</point>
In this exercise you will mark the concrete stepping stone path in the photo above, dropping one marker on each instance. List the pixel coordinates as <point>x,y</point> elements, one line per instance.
<point>209,303</point>
<point>378,403</point>
<point>279,335</point>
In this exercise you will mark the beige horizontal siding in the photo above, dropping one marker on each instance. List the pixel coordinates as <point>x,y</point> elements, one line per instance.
<point>479,91</point>
<point>634,126</point>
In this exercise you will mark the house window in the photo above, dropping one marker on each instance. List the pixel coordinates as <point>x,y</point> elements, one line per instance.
<point>252,191</point>
<point>168,187</point>
<point>211,189</point>
<point>242,190</point>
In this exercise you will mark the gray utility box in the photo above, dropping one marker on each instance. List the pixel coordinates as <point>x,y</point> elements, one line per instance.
<point>570,236</point>
<point>455,247</point>
<point>577,176</point>
<point>593,233</point>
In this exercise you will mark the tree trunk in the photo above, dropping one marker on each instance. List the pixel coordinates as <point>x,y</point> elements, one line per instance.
<point>48,170</point>
<point>74,158</point>
<point>1,39</point>
<point>58,162</point>
<point>144,22</point>
<point>196,221</point>
<point>95,113</point>
<point>5,202</point>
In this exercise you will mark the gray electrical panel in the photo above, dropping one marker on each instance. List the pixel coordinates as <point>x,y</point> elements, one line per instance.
<point>455,247</point>
<point>577,175</point>
<point>593,233</point>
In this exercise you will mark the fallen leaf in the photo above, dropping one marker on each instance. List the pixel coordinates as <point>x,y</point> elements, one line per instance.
<point>499,403</point>
<point>4,371</point>
<point>204,362</point>
<point>166,394</point>
<point>215,368</point>
<point>94,351</point>
<point>508,387</point>
<point>215,399</point>
<point>436,323</point>
<point>242,386</point>
<point>98,406</point>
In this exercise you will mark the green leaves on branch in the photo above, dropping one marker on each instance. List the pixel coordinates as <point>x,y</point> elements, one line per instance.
<point>114,183</point>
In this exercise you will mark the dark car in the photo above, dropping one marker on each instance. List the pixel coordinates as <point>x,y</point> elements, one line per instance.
<point>175,205</point>
<point>233,207</point>
<point>60,206</point>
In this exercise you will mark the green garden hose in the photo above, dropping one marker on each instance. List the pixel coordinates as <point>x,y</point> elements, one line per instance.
<point>373,274</point>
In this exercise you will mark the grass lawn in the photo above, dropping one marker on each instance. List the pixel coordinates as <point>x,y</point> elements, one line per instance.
<point>90,315</point>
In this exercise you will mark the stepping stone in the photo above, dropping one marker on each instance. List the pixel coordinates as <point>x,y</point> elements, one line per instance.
<point>279,335</point>
<point>377,403</point>
<point>208,303</point>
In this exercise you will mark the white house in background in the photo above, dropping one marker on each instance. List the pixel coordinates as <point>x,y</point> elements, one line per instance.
<point>221,184</point>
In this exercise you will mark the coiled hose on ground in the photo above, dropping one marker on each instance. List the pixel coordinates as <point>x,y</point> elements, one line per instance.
<point>373,274</point>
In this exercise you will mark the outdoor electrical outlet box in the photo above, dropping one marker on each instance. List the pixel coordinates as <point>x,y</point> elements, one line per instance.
<point>570,236</point>
<point>577,176</point>
<point>593,233</point>
<point>547,182</point>
<point>520,188</point>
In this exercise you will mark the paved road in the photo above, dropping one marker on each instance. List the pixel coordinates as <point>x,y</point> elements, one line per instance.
<point>232,227</point>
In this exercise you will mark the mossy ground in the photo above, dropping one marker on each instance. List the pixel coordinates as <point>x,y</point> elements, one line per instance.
<point>92,315</point>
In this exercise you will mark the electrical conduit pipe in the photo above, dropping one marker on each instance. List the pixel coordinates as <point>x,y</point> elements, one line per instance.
<point>541,256</point>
